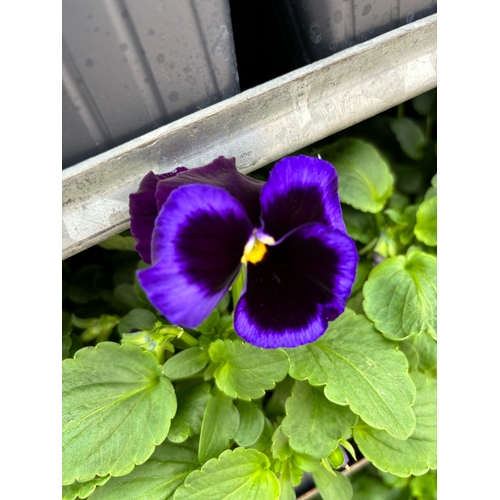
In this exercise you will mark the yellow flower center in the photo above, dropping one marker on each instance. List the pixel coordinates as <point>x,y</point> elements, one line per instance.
<point>254,251</point>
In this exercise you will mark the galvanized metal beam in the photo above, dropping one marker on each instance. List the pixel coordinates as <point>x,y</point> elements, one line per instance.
<point>257,127</point>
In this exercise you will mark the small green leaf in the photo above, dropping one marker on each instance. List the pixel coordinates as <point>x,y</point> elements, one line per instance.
<point>424,487</point>
<point>362,271</point>
<point>387,244</point>
<point>415,455</point>
<point>365,181</point>
<point>191,402</point>
<point>401,296</point>
<point>421,351</point>
<point>264,442</point>
<point>286,483</point>
<point>424,103</point>
<point>280,447</point>
<point>348,446</point>
<point>66,346</point>
<point>251,423</point>
<point>220,424</point>
<point>332,484</point>
<point>118,242</point>
<point>246,371</point>
<point>82,490</point>
<point>306,463</point>
<point>275,404</point>
<point>313,423</point>
<point>238,474</point>
<point>360,225</point>
<point>208,326</point>
<point>116,408</point>
<point>157,479</point>
<point>126,295</point>
<point>137,319</point>
<point>186,363</point>
<point>362,369</point>
<point>426,226</point>
<point>410,137</point>
<point>238,285</point>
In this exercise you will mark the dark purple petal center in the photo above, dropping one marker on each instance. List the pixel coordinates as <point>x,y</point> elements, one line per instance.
<point>294,289</point>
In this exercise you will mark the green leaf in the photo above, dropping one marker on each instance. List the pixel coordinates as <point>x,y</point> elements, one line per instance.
<point>332,484</point>
<point>156,479</point>
<point>191,402</point>
<point>126,295</point>
<point>424,487</point>
<point>432,191</point>
<point>208,326</point>
<point>186,363</point>
<point>362,271</point>
<point>239,474</point>
<point>280,447</point>
<point>286,483</point>
<point>264,442</point>
<point>362,369</point>
<point>417,454</point>
<point>137,319</point>
<point>251,423</point>
<point>246,371</point>
<point>238,285</point>
<point>116,408</point>
<point>67,328</point>
<point>275,403</point>
<point>401,296</point>
<point>365,181</point>
<point>424,103</point>
<point>421,351</point>
<point>118,242</point>
<point>387,244</point>
<point>314,424</point>
<point>426,226</point>
<point>82,490</point>
<point>66,346</point>
<point>360,225</point>
<point>410,137</point>
<point>220,424</point>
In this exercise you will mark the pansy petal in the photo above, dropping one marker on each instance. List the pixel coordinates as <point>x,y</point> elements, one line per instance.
<point>221,173</point>
<point>300,189</point>
<point>198,242</point>
<point>143,212</point>
<point>299,285</point>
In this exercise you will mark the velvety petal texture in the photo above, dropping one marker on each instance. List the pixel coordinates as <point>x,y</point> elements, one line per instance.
<point>300,284</point>
<point>289,232</point>
<point>300,189</point>
<point>221,173</point>
<point>198,241</point>
<point>143,212</point>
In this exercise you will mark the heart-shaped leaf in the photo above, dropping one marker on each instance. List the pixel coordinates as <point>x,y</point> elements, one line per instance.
<point>156,479</point>
<point>362,369</point>
<point>242,474</point>
<point>116,407</point>
<point>313,423</point>
<point>417,454</point>
<point>246,371</point>
<point>365,181</point>
<point>401,295</point>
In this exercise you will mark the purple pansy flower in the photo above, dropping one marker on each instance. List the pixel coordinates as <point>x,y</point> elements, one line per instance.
<point>199,227</point>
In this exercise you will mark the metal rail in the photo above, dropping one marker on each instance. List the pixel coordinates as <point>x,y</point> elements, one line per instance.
<point>257,127</point>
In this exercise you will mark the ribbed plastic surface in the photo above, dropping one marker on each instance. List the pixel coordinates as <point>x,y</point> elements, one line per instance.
<point>320,28</point>
<point>130,66</point>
